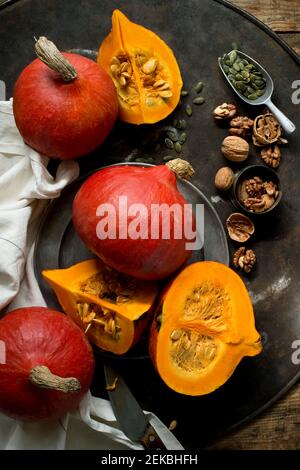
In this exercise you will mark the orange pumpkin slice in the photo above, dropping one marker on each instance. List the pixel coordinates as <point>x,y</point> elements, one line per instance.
<point>203,328</point>
<point>111,308</point>
<point>144,71</point>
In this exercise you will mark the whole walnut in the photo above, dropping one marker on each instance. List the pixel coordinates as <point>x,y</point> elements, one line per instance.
<point>235,148</point>
<point>224,178</point>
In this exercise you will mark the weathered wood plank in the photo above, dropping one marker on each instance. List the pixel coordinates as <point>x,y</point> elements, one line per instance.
<point>277,428</point>
<point>280,15</point>
<point>293,40</point>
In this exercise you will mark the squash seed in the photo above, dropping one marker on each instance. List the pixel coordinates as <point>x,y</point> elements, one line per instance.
<point>198,87</point>
<point>175,335</point>
<point>181,124</point>
<point>189,110</point>
<point>173,425</point>
<point>159,83</point>
<point>150,66</point>
<point>165,94</point>
<point>184,93</point>
<point>168,158</point>
<point>172,136</point>
<point>178,147</point>
<point>199,100</point>
<point>182,138</point>
<point>169,143</point>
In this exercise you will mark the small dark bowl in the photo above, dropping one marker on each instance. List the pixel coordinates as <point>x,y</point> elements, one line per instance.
<point>267,174</point>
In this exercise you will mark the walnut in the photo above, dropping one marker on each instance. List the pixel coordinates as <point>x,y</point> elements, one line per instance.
<point>235,148</point>
<point>266,130</point>
<point>259,204</point>
<point>244,259</point>
<point>224,178</point>
<point>254,186</point>
<point>240,227</point>
<point>241,126</point>
<point>224,111</point>
<point>271,155</point>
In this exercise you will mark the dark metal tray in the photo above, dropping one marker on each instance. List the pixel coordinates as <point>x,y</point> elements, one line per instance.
<point>198,31</point>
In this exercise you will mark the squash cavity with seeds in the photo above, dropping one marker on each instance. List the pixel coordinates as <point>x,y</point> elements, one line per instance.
<point>112,308</point>
<point>144,71</point>
<point>202,329</point>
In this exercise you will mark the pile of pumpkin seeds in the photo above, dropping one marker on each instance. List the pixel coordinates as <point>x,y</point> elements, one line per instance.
<point>175,134</point>
<point>244,75</point>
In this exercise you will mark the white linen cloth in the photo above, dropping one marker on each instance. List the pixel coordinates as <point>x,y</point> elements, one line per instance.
<point>26,187</point>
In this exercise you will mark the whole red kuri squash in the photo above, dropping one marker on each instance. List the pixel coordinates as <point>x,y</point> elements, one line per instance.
<point>151,255</point>
<point>64,105</point>
<point>46,365</point>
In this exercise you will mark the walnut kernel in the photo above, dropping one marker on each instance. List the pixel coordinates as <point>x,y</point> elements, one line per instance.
<point>244,259</point>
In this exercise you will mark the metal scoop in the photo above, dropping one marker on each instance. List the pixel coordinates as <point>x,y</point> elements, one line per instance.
<point>286,124</point>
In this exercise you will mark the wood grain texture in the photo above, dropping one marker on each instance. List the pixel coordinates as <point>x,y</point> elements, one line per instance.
<point>293,40</point>
<point>277,429</point>
<point>280,15</point>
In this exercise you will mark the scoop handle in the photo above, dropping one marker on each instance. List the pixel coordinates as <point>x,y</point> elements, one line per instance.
<point>287,125</point>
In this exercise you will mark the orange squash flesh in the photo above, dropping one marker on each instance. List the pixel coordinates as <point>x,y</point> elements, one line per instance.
<point>113,325</point>
<point>203,328</point>
<point>143,97</point>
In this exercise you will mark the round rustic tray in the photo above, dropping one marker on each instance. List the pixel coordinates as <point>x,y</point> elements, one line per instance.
<point>198,32</point>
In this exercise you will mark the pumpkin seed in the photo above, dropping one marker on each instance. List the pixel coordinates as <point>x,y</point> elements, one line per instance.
<point>253,96</point>
<point>236,66</point>
<point>226,68</point>
<point>169,143</point>
<point>175,335</point>
<point>150,66</point>
<point>189,110</point>
<point>198,87</point>
<point>245,73</point>
<point>182,138</point>
<point>250,89</point>
<point>260,92</point>
<point>234,46</point>
<point>181,124</point>
<point>184,93</point>
<point>241,86</point>
<point>165,94</point>
<point>168,158</point>
<point>172,136</point>
<point>231,77</point>
<point>199,100</point>
<point>232,71</point>
<point>232,56</point>
<point>228,63</point>
<point>178,147</point>
<point>239,77</point>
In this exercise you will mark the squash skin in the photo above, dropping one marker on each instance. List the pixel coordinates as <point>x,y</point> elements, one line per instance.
<point>239,340</point>
<point>129,37</point>
<point>132,316</point>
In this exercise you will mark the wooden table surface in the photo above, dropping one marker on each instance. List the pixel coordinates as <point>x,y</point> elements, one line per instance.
<point>279,426</point>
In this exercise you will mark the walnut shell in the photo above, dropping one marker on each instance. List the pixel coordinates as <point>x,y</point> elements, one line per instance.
<point>266,130</point>
<point>235,148</point>
<point>224,178</point>
<point>240,227</point>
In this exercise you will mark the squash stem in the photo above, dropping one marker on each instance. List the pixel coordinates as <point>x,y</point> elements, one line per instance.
<point>42,377</point>
<point>48,53</point>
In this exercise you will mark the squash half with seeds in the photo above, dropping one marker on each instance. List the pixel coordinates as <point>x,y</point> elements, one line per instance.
<point>202,329</point>
<point>112,308</point>
<point>143,69</point>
